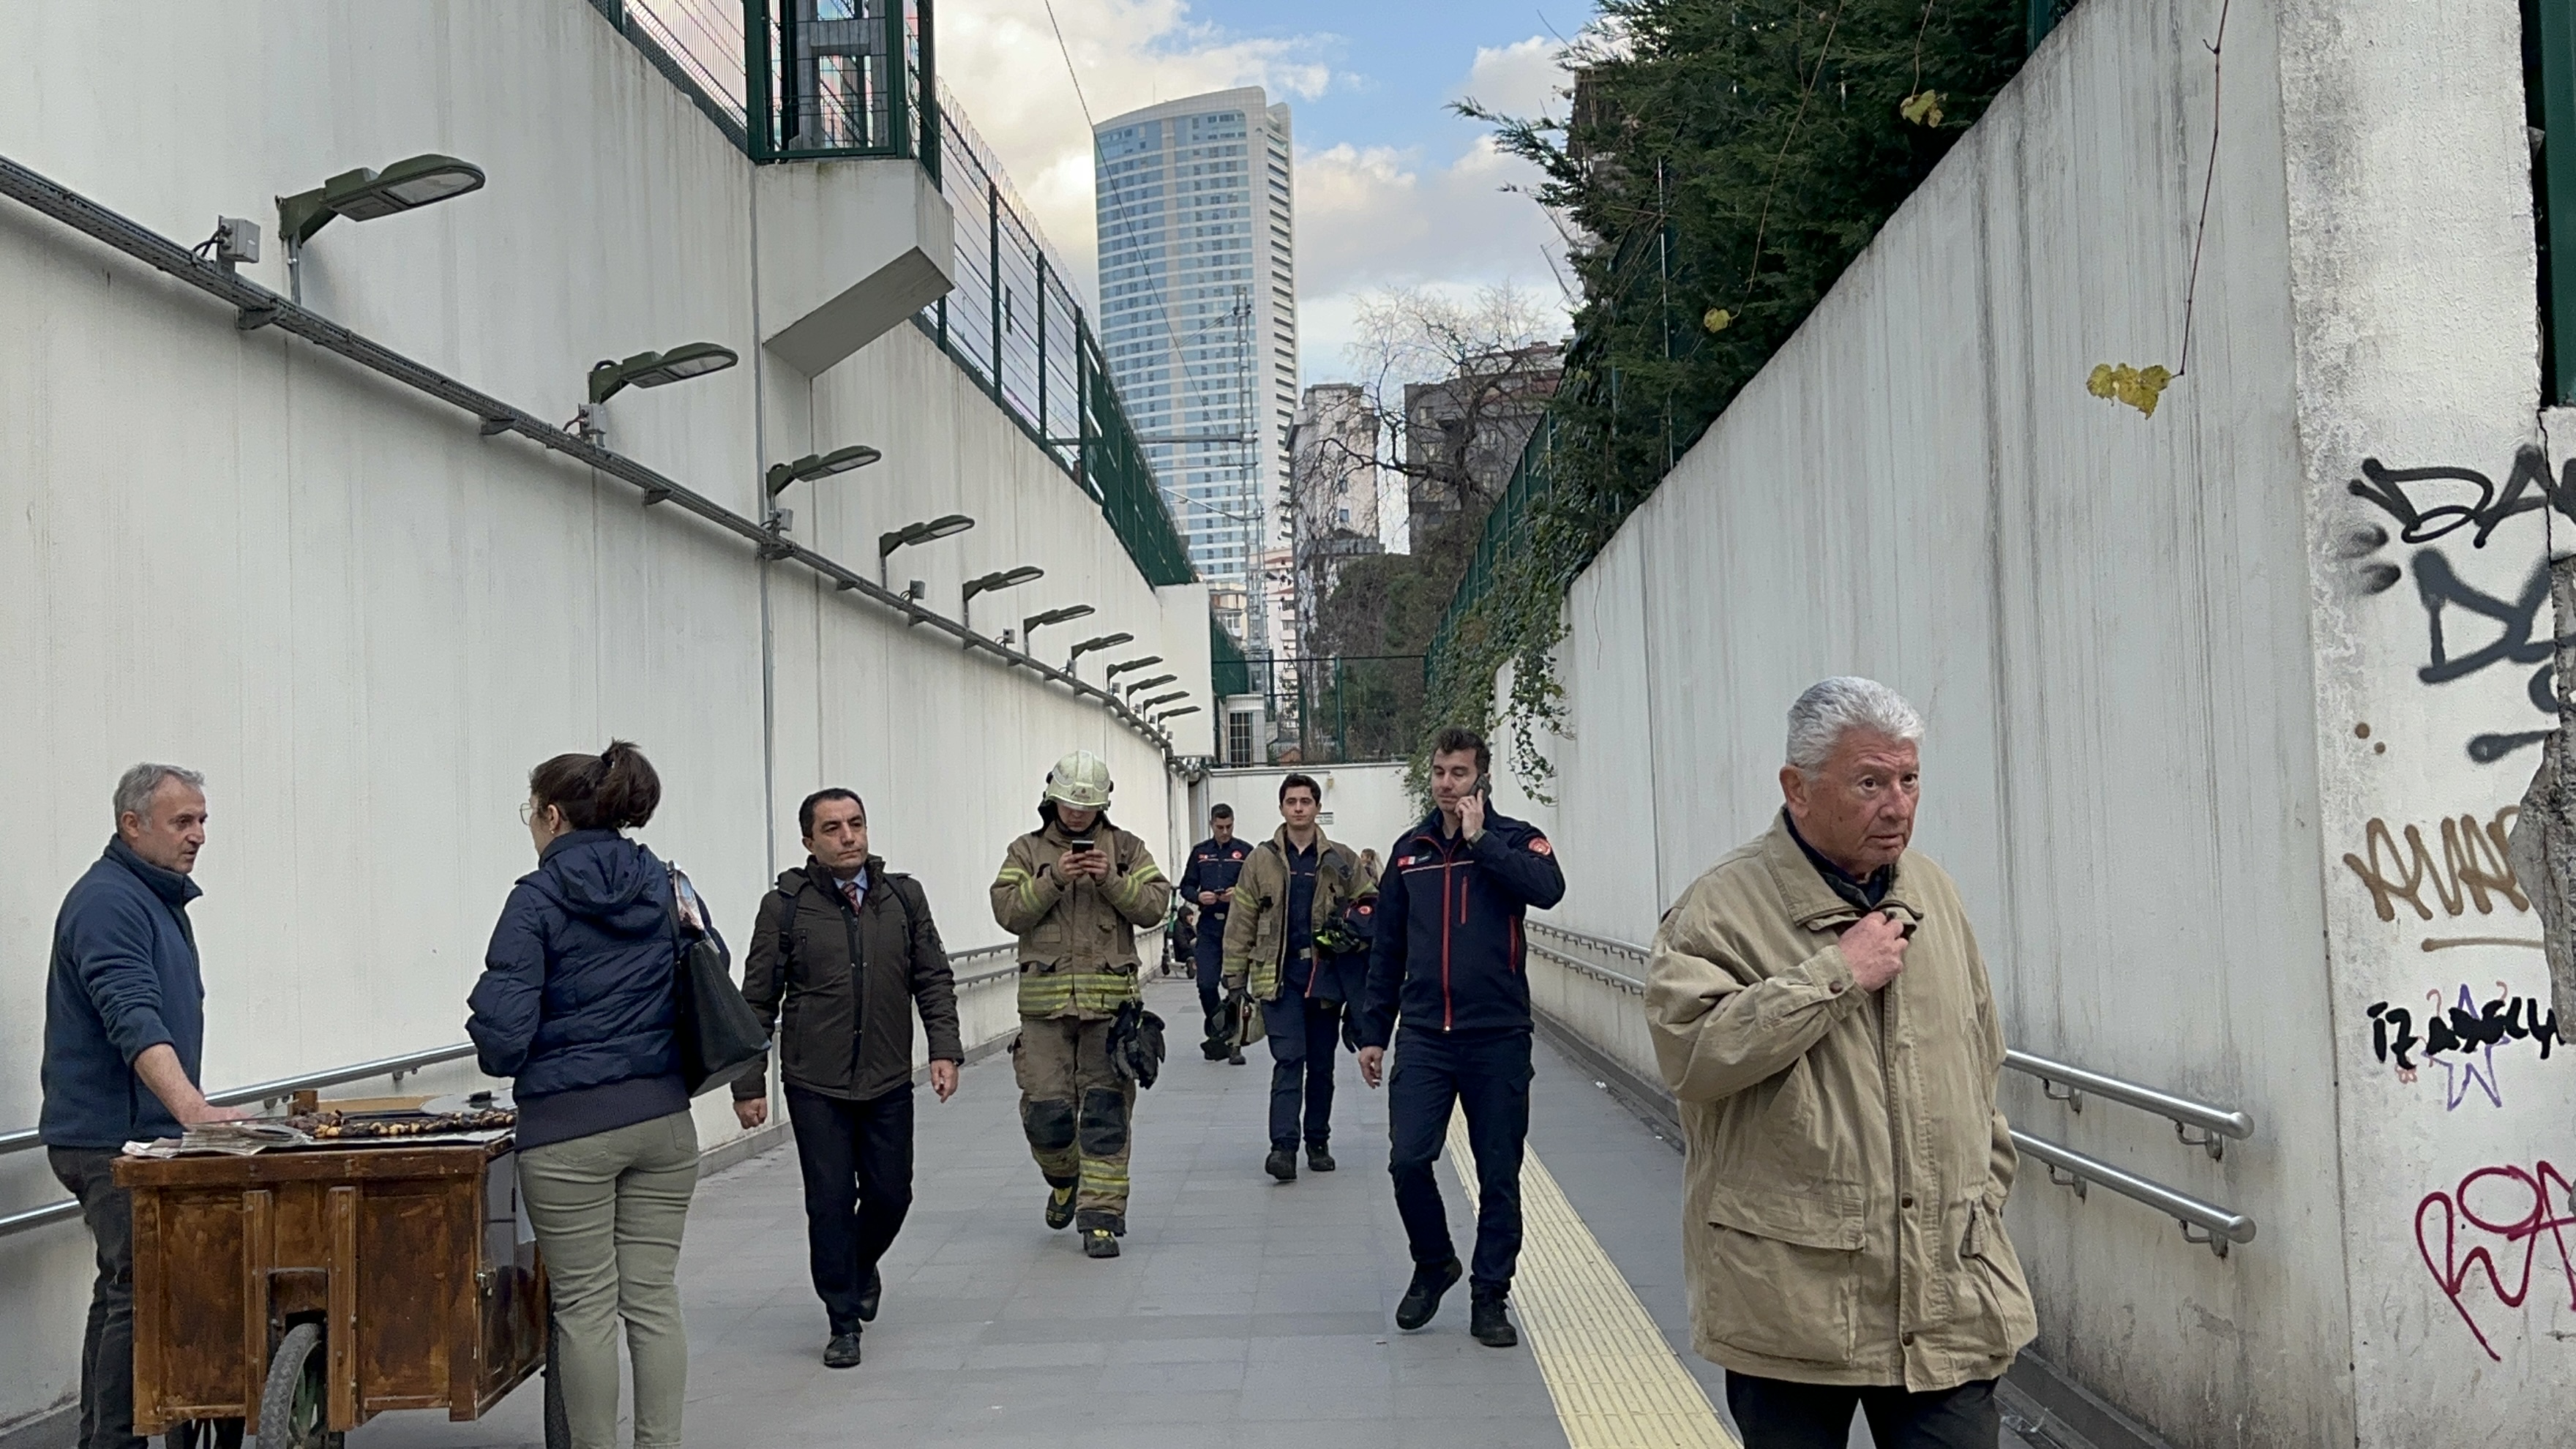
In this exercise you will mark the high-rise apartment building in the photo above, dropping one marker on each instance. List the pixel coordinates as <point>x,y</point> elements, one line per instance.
<point>1198,316</point>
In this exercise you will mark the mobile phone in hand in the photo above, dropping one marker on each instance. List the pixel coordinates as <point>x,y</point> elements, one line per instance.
<point>1485,787</point>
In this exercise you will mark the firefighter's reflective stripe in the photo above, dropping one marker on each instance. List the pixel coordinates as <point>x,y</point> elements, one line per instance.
<point>1085,993</point>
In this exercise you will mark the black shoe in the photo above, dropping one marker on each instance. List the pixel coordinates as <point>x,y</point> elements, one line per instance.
<point>1318,1159</point>
<point>1422,1295</point>
<point>842,1351</point>
<point>868,1299</point>
<point>1281,1164</point>
<point>1059,1212</point>
<point>1215,1051</point>
<point>1487,1321</point>
<point>1234,1060</point>
<point>1099,1243</point>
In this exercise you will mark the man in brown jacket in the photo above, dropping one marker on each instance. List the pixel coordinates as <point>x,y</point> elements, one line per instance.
<point>1844,1241</point>
<point>843,953</point>
<point>1075,891</point>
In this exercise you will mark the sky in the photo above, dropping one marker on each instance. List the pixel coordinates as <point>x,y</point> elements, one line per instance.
<point>1391,189</point>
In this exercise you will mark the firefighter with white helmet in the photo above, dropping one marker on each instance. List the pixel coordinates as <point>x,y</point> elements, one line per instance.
<point>1075,890</point>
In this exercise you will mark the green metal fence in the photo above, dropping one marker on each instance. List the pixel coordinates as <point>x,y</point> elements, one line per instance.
<point>1229,673</point>
<point>827,79</point>
<point>1015,326</point>
<point>1506,527</point>
<point>2550,85</point>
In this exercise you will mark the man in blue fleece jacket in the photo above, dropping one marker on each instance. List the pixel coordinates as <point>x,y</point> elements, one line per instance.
<point>125,1026</point>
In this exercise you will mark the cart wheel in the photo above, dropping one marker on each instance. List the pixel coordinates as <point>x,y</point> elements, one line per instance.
<point>291,1411</point>
<point>558,1421</point>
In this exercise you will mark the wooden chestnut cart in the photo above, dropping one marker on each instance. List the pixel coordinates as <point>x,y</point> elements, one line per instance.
<point>306,1291</point>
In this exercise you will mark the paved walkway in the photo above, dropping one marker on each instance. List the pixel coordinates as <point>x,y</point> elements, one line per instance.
<point>1244,1313</point>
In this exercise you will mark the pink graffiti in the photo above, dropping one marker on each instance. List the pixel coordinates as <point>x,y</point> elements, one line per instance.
<point>2535,1204</point>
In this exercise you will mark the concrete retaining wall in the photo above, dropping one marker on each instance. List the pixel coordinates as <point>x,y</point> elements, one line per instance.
<point>366,623</point>
<point>2227,710</point>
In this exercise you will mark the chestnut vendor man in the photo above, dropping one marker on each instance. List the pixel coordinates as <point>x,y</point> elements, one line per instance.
<point>1447,963</point>
<point>125,1028</point>
<point>847,950</point>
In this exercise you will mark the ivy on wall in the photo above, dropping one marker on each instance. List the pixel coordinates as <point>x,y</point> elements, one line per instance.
<point>1724,161</point>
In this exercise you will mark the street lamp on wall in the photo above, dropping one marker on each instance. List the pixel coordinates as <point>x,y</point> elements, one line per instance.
<point>1155,682</point>
<point>657,369</point>
<point>1123,665</point>
<point>1034,622</point>
<point>1163,699</point>
<point>364,195</point>
<point>812,466</point>
<point>946,526</point>
<point>1093,646</point>
<point>999,579</point>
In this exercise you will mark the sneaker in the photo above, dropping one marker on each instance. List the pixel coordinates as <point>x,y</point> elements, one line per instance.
<point>1215,1051</point>
<point>1318,1159</point>
<point>1099,1243</point>
<point>1234,1060</point>
<point>1059,1212</point>
<point>842,1351</point>
<point>1487,1321</point>
<point>873,1294</point>
<point>1422,1295</point>
<point>1281,1164</point>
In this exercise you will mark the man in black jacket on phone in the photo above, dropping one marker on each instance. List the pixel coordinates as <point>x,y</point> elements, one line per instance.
<point>1448,963</point>
<point>843,953</point>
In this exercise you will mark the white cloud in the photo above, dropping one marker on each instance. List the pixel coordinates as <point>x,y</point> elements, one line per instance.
<point>1520,79</point>
<point>1374,217</point>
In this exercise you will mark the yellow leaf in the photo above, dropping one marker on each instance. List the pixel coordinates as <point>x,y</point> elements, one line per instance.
<point>2140,388</point>
<point>1922,108</point>
<point>1716,319</point>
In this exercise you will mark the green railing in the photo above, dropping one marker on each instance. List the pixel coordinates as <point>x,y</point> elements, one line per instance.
<point>2550,86</point>
<point>1229,673</point>
<point>1505,528</point>
<point>828,79</point>
<point>1016,328</point>
<point>2042,17</point>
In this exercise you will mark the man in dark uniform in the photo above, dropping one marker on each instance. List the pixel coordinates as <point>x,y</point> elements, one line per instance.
<point>1448,959</point>
<point>1207,883</point>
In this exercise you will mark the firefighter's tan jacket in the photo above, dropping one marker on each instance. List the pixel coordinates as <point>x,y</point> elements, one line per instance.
<point>1078,937</point>
<point>1846,1166</point>
<point>1256,928</point>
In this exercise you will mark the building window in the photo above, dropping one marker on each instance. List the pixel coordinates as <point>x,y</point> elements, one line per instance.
<point>1238,737</point>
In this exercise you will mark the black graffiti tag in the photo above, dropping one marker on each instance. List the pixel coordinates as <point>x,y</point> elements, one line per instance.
<point>2518,1018</point>
<point>2528,488</point>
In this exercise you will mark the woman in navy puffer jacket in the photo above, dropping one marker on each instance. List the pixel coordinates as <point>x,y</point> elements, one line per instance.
<point>578,1002</point>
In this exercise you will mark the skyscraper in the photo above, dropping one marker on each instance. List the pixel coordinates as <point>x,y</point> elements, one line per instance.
<point>1198,315</point>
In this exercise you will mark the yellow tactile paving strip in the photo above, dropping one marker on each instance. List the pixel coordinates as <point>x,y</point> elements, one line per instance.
<point>1614,1379</point>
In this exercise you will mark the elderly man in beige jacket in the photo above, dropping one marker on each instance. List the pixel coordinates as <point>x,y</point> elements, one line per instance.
<point>1821,1012</point>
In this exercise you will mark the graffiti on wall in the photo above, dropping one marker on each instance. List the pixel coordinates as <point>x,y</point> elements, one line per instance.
<point>2468,631</point>
<point>2473,872</point>
<point>2493,1226</point>
<point>2462,1041</point>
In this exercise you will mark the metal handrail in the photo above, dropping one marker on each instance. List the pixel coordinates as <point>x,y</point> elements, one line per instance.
<point>1597,943</point>
<point>1620,979</point>
<point>2219,1226</point>
<point>2216,1125</point>
<point>1009,950</point>
<point>397,1067</point>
